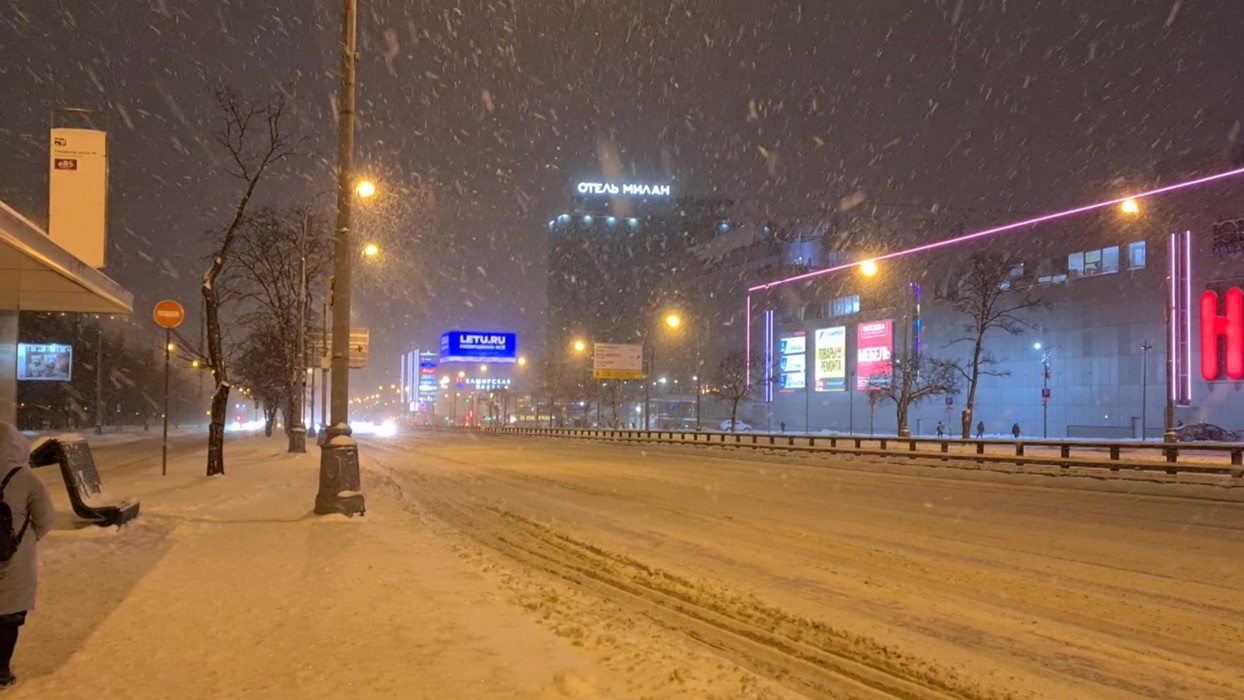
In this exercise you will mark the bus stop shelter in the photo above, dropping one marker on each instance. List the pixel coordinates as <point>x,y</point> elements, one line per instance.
<point>36,274</point>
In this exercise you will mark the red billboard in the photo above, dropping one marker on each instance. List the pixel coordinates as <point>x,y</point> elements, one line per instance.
<point>1228,327</point>
<point>874,348</point>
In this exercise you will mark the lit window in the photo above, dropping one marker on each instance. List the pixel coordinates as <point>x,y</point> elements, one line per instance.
<point>1110,260</point>
<point>1075,264</point>
<point>845,306</point>
<point>1136,255</point>
<point>1094,262</point>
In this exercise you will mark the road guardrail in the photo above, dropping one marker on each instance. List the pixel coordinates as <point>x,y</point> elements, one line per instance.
<point>1115,455</point>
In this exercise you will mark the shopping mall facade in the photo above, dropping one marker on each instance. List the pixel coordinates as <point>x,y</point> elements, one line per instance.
<point>1091,360</point>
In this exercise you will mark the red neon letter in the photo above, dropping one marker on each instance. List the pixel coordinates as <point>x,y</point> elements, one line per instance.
<point>1229,326</point>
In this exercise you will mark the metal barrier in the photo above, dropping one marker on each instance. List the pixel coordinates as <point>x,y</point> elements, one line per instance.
<point>1111,454</point>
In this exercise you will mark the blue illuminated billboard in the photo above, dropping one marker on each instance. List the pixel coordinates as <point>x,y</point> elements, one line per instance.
<point>484,347</point>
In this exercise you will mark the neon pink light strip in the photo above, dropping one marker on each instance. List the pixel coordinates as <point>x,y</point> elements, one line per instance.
<point>1007,227</point>
<point>1187,325</point>
<point>1172,347</point>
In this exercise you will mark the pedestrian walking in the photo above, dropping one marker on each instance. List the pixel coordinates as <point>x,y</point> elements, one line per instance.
<point>980,429</point>
<point>782,425</point>
<point>30,517</point>
<point>941,429</point>
<point>1015,430</point>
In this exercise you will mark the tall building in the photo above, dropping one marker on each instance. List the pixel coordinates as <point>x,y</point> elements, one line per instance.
<point>616,258</point>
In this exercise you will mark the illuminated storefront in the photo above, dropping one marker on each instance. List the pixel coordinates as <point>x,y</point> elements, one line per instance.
<point>1121,296</point>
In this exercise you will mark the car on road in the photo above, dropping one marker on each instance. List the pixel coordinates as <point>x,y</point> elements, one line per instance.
<point>1207,432</point>
<point>739,426</point>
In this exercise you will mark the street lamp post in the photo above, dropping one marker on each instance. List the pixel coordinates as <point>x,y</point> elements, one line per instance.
<point>298,431</point>
<point>339,488</point>
<point>851,402</point>
<point>1169,434</point>
<point>1145,347</point>
<point>1045,399</point>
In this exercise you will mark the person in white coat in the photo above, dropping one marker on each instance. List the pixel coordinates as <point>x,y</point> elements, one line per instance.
<point>28,501</point>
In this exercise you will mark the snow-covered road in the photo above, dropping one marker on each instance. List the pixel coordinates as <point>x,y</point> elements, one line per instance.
<point>839,577</point>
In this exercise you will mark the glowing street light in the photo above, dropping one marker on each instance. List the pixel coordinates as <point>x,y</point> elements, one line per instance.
<point>483,368</point>
<point>371,250</point>
<point>522,360</point>
<point>868,268</point>
<point>579,346</point>
<point>1130,207</point>
<point>365,189</point>
<point>673,320</point>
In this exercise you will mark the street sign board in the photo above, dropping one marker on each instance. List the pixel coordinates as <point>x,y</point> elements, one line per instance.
<point>618,361</point>
<point>168,314</point>
<point>78,193</point>
<point>1045,395</point>
<point>359,345</point>
<point>360,342</point>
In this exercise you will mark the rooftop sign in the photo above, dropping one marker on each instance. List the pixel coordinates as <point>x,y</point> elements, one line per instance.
<point>628,189</point>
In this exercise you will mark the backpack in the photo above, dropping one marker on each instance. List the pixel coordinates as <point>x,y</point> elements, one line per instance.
<point>8,541</point>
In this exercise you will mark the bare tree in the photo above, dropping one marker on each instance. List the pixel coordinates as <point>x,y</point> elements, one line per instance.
<point>730,382</point>
<point>915,378</point>
<point>262,366</point>
<point>991,291</point>
<point>251,134</point>
<point>273,252</point>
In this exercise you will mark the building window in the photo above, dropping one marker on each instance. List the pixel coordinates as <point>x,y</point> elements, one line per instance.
<point>1094,262</point>
<point>1136,255</point>
<point>1052,279</point>
<point>845,306</point>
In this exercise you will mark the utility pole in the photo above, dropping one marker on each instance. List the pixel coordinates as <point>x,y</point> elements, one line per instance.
<point>1145,347</point>
<point>652,361</point>
<point>340,487</point>
<point>99,377</point>
<point>323,360</point>
<point>1045,397</point>
<point>851,402</point>
<point>1169,434</point>
<point>168,351</point>
<point>298,431</point>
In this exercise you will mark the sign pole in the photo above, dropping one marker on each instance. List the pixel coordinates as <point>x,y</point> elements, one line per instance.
<point>168,351</point>
<point>168,315</point>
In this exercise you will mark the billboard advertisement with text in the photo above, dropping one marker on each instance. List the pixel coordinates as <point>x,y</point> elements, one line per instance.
<point>874,350</point>
<point>792,362</point>
<point>831,359</point>
<point>48,363</point>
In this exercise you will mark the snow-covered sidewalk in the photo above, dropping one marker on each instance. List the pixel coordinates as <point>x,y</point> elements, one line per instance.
<point>230,587</point>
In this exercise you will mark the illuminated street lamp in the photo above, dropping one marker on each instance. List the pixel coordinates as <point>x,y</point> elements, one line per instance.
<point>673,320</point>
<point>868,268</point>
<point>1130,207</point>
<point>371,250</point>
<point>579,346</point>
<point>365,189</point>
<point>522,360</point>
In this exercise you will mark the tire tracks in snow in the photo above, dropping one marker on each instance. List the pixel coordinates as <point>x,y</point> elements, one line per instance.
<point>805,655</point>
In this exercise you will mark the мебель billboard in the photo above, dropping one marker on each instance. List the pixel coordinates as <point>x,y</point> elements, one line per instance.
<point>874,348</point>
<point>484,347</point>
<point>47,363</point>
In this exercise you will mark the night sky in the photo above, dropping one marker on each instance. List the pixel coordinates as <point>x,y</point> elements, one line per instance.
<point>481,114</point>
